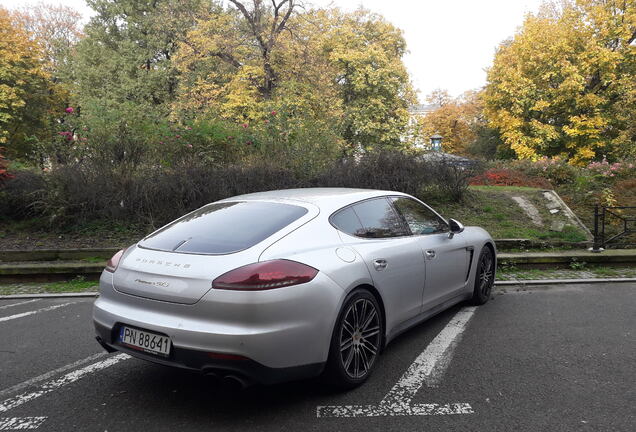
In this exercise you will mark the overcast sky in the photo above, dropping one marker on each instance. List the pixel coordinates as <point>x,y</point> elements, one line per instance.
<point>450,42</point>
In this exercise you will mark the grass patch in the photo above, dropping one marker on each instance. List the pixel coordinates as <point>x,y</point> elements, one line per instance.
<point>72,286</point>
<point>512,273</point>
<point>94,260</point>
<point>492,208</point>
<point>505,188</point>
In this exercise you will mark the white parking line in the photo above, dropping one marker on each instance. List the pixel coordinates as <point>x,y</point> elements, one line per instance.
<point>21,423</point>
<point>55,384</point>
<point>20,315</point>
<point>428,367</point>
<point>46,376</point>
<point>17,304</point>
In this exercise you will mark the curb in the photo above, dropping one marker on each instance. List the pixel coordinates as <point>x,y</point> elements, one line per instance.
<point>49,295</point>
<point>563,281</point>
<point>88,294</point>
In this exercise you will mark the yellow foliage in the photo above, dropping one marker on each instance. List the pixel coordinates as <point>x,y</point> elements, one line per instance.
<point>24,88</point>
<point>563,84</point>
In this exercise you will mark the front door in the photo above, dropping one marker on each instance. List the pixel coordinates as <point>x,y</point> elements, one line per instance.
<point>446,258</point>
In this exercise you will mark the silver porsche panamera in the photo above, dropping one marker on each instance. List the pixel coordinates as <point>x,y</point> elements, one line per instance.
<point>283,285</point>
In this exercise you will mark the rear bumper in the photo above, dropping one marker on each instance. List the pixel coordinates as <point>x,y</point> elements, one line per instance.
<point>246,370</point>
<point>284,333</point>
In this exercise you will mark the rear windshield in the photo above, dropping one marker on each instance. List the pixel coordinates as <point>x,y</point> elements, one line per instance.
<point>224,228</point>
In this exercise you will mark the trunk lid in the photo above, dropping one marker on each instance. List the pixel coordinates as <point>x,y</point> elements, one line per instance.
<point>174,277</point>
<point>178,262</point>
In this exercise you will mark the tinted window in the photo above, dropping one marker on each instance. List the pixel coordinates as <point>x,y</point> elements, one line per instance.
<point>346,220</point>
<point>420,219</point>
<point>379,219</point>
<point>224,227</point>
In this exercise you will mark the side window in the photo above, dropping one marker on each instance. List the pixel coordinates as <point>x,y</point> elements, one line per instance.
<point>379,220</point>
<point>420,219</point>
<point>347,221</point>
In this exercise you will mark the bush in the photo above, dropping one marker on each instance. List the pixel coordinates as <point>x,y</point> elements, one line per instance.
<point>21,194</point>
<point>155,194</point>
<point>4,165</point>
<point>508,177</point>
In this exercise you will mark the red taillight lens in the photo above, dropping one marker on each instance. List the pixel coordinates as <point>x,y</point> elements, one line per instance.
<point>112,263</point>
<point>265,275</point>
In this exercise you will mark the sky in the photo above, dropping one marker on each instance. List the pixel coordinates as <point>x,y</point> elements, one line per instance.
<point>451,43</point>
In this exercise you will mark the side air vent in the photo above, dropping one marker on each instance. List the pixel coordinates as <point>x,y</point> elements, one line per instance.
<point>470,260</point>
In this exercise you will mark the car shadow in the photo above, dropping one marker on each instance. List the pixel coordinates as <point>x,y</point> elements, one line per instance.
<point>161,391</point>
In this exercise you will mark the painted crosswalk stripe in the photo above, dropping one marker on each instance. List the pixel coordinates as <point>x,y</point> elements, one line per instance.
<point>33,312</point>
<point>58,383</point>
<point>18,304</point>
<point>21,423</point>
<point>428,368</point>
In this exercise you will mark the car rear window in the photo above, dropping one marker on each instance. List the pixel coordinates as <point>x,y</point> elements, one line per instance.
<point>224,228</point>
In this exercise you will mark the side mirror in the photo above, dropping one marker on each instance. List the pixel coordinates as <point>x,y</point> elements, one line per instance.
<point>455,227</point>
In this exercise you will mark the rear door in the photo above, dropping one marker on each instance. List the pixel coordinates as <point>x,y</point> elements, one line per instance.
<point>446,258</point>
<point>394,257</point>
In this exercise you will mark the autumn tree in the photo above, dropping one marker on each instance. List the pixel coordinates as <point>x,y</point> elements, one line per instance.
<point>344,70</point>
<point>564,85</point>
<point>24,87</point>
<point>458,120</point>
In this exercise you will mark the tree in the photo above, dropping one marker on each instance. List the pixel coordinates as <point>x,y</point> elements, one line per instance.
<point>342,70</point>
<point>24,87</point>
<point>458,120</point>
<point>564,85</point>
<point>374,84</point>
<point>126,56</point>
<point>57,29</point>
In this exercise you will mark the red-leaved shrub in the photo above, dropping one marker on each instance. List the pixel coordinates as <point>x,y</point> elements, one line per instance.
<point>508,177</point>
<point>4,164</point>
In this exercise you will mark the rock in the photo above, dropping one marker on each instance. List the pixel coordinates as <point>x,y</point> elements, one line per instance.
<point>554,211</point>
<point>557,226</point>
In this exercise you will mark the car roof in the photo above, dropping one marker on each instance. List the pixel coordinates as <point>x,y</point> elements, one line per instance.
<point>328,199</point>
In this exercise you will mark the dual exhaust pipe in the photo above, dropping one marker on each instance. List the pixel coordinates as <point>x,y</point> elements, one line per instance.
<point>231,380</point>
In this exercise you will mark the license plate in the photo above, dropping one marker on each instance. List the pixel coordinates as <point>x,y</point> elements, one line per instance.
<point>144,340</point>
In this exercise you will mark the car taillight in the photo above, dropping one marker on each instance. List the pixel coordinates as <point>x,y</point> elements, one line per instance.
<point>265,275</point>
<point>113,263</point>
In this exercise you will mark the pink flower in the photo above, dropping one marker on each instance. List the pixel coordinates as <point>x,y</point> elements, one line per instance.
<point>273,113</point>
<point>69,110</point>
<point>266,121</point>
<point>177,136</point>
<point>189,145</point>
<point>245,125</point>
<point>188,128</point>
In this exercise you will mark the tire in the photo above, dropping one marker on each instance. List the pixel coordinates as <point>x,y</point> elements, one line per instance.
<point>484,277</point>
<point>356,341</point>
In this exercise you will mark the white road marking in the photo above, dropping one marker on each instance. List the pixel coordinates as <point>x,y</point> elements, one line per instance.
<point>46,376</point>
<point>428,367</point>
<point>58,383</point>
<point>21,423</point>
<point>20,315</point>
<point>18,304</point>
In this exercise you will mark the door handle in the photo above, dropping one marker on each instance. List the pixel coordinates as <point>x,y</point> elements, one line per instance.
<point>430,254</point>
<point>380,264</point>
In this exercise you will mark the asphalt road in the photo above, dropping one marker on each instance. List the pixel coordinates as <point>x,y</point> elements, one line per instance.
<point>549,359</point>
